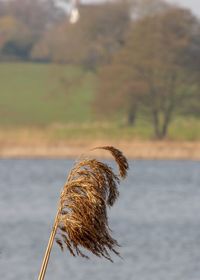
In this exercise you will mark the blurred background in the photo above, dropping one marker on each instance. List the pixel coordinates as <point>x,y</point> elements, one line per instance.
<point>78,74</point>
<point>97,70</point>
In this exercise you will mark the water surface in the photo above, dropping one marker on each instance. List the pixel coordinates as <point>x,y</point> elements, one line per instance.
<point>156,221</point>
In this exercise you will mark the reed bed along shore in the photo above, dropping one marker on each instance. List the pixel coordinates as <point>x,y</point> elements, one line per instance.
<point>133,149</point>
<point>55,142</point>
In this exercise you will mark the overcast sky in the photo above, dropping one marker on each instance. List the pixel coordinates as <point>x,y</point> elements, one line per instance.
<point>194,5</point>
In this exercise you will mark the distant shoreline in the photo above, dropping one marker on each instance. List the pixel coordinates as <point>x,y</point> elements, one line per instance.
<point>132,149</point>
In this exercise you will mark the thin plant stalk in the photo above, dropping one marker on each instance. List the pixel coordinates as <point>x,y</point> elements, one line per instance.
<point>48,249</point>
<point>81,219</point>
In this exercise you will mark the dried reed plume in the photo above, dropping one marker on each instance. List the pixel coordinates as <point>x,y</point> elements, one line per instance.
<point>81,220</point>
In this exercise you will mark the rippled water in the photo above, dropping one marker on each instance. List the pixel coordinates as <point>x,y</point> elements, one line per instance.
<point>156,221</point>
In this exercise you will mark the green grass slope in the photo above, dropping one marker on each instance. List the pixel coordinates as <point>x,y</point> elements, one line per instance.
<point>37,94</point>
<point>45,94</point>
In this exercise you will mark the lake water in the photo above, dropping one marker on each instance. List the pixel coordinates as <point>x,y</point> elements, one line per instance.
<point>156,220</point>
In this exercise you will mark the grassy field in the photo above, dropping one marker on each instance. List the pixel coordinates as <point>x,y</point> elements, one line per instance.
<point>56,100</point>
<point>34,94</point>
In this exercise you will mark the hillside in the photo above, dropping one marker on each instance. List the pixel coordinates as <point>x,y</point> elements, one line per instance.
<point>56,100</point>
<point>35,94</point>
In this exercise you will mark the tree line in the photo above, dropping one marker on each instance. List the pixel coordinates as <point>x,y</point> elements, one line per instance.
<point>23,23</point>
<point>146,54</point>
<point>40,30</point>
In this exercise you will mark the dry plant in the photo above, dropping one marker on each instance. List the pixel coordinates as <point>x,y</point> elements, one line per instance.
<point>81,220</point>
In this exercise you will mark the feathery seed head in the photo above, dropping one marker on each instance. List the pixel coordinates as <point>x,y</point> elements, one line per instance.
<point>91,187</point>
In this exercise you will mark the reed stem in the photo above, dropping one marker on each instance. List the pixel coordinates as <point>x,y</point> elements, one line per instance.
<point>48,249</point>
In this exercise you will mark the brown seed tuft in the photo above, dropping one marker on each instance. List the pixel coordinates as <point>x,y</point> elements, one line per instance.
<point>82,221</point>
<point>119,158</point>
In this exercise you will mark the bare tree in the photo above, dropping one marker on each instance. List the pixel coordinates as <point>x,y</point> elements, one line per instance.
<point>148,73</point>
